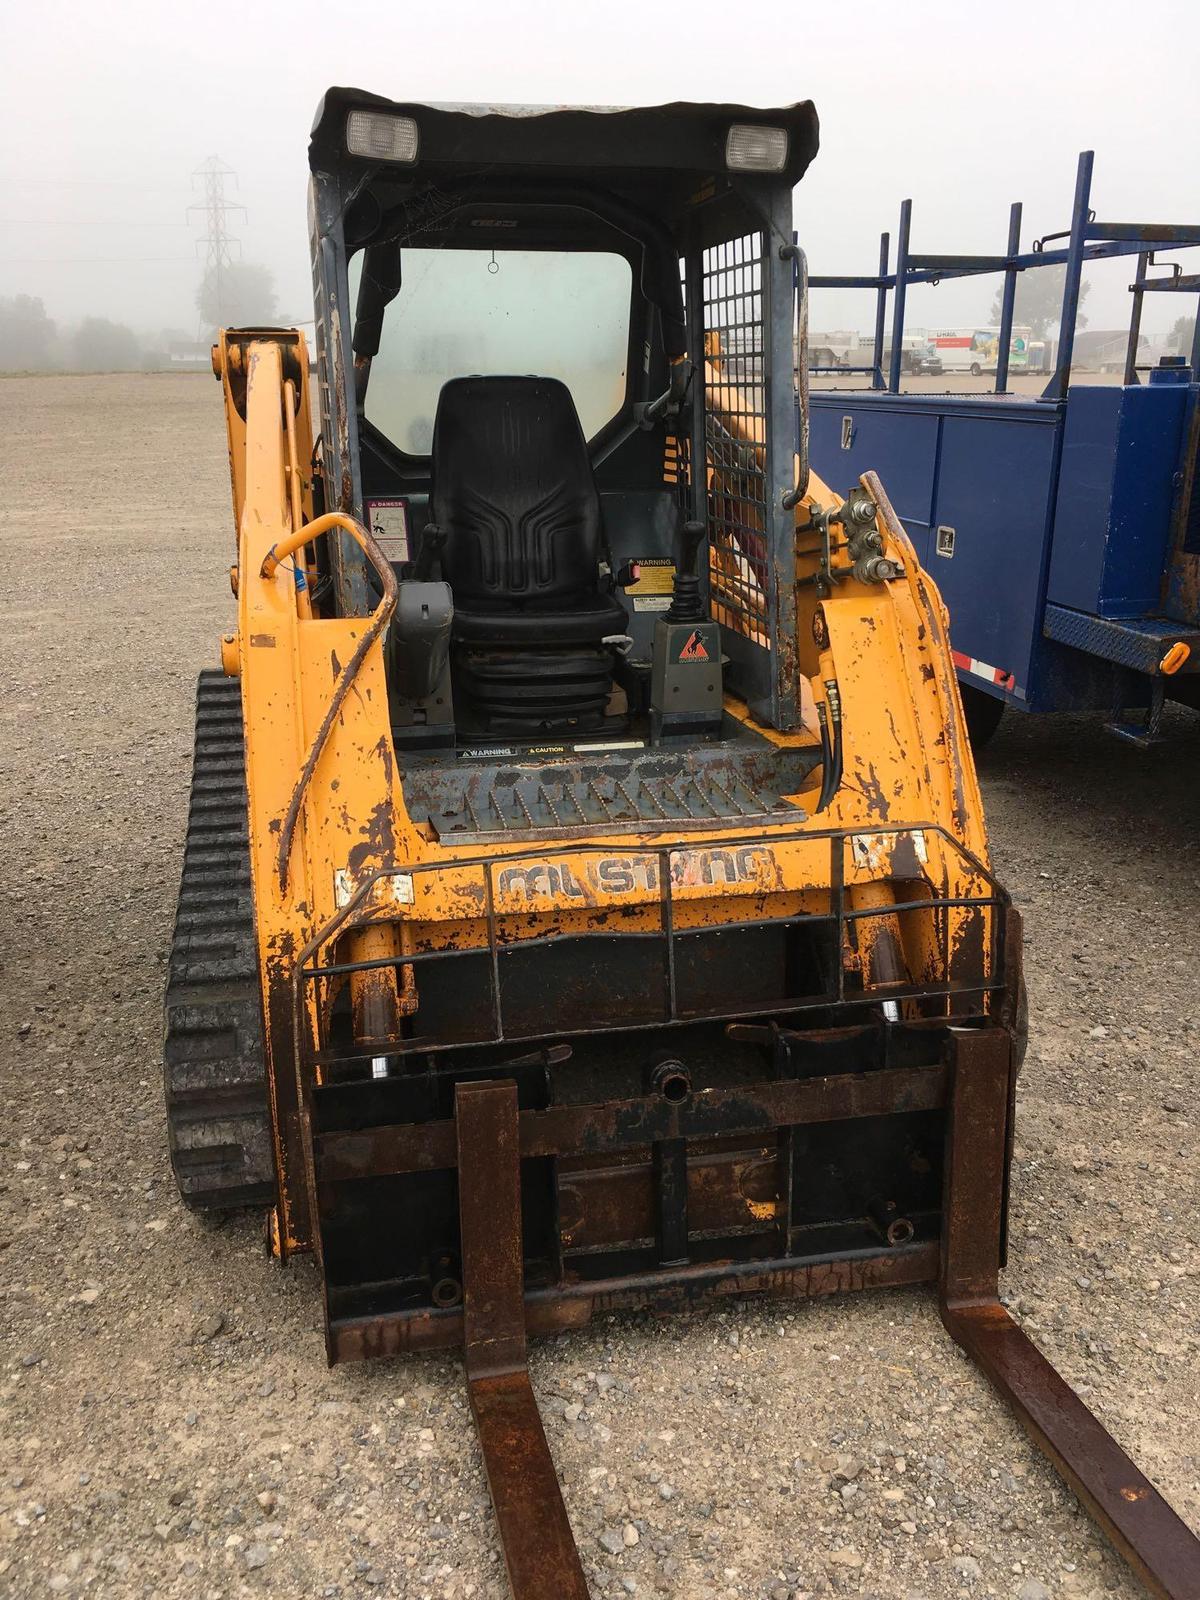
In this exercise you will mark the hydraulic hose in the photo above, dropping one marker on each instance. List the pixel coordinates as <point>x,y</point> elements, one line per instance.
<point>835,717</point>
<point>831,744</point>
<point>826,754</point>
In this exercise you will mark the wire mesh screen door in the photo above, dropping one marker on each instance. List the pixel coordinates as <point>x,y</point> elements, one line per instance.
<point>749,406</point>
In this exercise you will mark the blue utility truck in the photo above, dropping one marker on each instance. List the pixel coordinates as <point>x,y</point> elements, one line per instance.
<point>1064,527</point>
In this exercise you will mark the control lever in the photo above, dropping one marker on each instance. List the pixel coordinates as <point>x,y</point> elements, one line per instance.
<point>433,542</point>
<point>687,602</point>
<point>685,664</point>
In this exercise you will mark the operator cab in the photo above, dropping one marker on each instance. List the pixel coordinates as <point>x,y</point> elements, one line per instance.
<point>552,315</point>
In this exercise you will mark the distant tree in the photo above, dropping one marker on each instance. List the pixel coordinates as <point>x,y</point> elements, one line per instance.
<point>99,345</point>
<point>1179,340</point>
<point>240,295</point>
<point>1039,300</point>
<point>26,335</point>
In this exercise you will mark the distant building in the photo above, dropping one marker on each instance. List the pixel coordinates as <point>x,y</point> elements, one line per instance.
<point>191,354</point>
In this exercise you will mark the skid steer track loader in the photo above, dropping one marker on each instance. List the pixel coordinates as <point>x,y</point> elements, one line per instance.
<point>586,902</point>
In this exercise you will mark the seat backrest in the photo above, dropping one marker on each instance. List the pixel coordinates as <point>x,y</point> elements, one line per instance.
<point>513,493</point>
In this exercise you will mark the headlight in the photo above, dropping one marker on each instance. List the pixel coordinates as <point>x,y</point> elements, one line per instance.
<point>750,148</point>
<point>380,137</point>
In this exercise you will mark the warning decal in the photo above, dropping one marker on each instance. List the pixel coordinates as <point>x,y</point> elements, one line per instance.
<point>388,522</point>
<point>694,649</point>
<point>652,575</point>
<point>653,583</point>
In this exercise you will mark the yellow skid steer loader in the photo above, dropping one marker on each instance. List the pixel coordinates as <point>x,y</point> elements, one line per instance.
<point>586,902</point>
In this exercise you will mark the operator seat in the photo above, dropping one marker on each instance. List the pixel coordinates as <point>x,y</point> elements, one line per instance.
<point>517,516</point>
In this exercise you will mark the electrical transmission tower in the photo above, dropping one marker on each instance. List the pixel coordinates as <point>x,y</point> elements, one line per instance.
<point>218,241</point>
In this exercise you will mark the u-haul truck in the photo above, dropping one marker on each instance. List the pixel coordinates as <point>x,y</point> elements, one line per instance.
<point>976,350</point>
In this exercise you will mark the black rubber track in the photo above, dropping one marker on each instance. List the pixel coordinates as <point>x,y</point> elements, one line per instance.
<point>218,1123</point>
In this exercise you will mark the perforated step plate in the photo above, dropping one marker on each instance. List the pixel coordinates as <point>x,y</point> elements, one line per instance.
<point>523,796</point>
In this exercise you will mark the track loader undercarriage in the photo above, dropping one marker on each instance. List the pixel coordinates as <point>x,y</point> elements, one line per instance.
<point>599,969</point>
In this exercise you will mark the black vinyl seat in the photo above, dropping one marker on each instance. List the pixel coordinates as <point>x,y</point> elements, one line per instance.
<point>514,500</point>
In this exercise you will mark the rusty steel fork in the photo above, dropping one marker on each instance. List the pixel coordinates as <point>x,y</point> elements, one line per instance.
<point>539,1547</point>
<point>1159,1547</point>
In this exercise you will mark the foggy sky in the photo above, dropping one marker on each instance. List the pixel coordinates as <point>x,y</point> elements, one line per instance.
<point>108,109</point>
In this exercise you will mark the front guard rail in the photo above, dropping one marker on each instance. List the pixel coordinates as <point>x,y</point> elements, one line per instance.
<point>836,921</point>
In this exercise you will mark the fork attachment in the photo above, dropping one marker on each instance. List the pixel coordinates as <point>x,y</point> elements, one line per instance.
<point>1159,1547</point>
<point>539,1547</point>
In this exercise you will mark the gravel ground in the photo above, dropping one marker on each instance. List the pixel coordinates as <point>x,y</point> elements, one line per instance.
<point>171,1426</point>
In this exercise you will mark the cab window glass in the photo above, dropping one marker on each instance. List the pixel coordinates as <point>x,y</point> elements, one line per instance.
<point>499,313</point>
